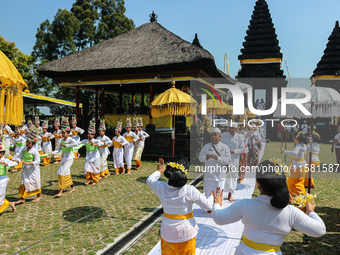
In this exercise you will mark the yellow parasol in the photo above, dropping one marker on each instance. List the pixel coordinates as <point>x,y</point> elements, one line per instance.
<point>173,102</point>
<point>12,84</point>
<point>214,106</point>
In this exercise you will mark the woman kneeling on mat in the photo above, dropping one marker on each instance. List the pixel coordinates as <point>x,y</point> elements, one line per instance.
<point>179,228</point>
<point>267,218</point>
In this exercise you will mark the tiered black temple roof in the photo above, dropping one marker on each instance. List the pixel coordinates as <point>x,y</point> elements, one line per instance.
<point>330,61</point>
<point>261,43</point>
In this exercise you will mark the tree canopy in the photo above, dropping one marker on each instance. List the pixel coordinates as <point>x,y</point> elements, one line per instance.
<point>88,22</point>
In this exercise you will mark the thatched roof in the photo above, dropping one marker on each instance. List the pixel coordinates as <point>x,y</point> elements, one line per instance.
<point>149,47</point>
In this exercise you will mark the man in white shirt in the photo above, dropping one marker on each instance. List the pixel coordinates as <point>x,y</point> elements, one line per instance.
<point>216,156</point>
<point>235,142</point>
<point>304,127</point>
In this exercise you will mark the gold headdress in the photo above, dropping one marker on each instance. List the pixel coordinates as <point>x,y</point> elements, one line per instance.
<point>178,166</point>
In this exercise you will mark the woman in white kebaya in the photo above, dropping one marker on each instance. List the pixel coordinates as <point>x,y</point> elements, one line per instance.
<point>267,218</point>
<point>179,228</point>
<point>92,161</point>
<point>118,152</point>
<point>67,157</point>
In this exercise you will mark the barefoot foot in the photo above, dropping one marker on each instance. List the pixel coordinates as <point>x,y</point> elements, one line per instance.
<point>12,204</point>
<point>72,190</point>
<point>21,201</point>
<point>93,183</point>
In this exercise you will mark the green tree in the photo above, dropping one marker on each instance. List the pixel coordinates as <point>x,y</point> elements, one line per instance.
<point>87,23</point>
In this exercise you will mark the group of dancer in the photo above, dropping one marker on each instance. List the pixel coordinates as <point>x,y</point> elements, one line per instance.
<point>267,218</point>
<point>33,143</point>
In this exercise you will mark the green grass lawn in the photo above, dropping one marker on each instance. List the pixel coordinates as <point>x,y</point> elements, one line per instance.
<point>327,207</point>
<point>34,221</point>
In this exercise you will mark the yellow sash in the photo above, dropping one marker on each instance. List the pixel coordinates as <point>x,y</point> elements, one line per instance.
<point>45,139</point>
<point>260,246</point>
<point>179,216</point>
<point>74,133</point>
<point>315,154</point>
<point>117,145</point>
<point>22,131</point>
<point>298,159</point>
<point>103,146</point>
<point>129,138</point>
<point>58,136</point>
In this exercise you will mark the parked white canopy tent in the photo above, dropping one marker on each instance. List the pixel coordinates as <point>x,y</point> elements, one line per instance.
<point>324,103</point>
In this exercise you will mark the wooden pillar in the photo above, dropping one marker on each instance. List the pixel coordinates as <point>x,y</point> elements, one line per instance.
<point>120,100</point>
<point>151,99</point>
<point>195,97</point>
<point>103,103</point>
<point>77,103</point>
<point>142,104</point>
<point>133,101</point>
<point>96,106</point>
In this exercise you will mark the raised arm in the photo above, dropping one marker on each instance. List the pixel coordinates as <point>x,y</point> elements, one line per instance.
<point>294,152</point>
<point>228,215</point>
<point>311,225</point>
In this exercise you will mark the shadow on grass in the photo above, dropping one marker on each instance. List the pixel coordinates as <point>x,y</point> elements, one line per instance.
<point>77,213</point>
<point>142,179</point>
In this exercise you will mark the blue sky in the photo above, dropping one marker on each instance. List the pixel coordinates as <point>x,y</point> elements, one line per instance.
<point>302,26</point>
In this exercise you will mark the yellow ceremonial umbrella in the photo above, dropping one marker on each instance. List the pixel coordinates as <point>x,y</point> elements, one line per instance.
<point>173,102</point>
<point>215,107</point>
<point>12,84</point>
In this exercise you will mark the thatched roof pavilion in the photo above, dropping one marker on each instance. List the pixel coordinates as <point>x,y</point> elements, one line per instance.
<point>140,61</point>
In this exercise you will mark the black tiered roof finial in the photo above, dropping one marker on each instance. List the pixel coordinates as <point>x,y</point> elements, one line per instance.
<point>330,61</point>
<point>261,56</point>
<point>153,17</point>
<point>196,41</point>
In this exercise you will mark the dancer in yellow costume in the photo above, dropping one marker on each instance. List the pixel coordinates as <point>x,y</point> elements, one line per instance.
<point>19,143</point>
<point>179,228</point>
<point>57,138</point>
<point>30,180</point>
<point>23,129</point>
<point>118,152</point>
<point>296,180</point>
<point>104,150</point>
<point>139,145</point>
<point>4,165</point>
<point>66,148</point>
<point>315,158</point>
<point>92,161</point>
<point>75,132</point>
<point>131,137</point>
<point>46,147</point>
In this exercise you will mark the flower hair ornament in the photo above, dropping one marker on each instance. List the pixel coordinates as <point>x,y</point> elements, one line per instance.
<point>299,133</point>
<point>178,166</point>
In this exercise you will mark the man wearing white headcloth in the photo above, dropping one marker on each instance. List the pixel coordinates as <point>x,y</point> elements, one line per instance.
<point>235,142</point>
<point>216,156</point>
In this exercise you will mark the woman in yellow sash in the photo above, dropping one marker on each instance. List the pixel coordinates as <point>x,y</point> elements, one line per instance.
<point>30,180</point>
<point>315,158</point>
<point>296,181</point>
<point>19,143</point>
<point>65,147</point>
<point>4,165</point>
<point>179,228</point>
<point>267,218</point>
<point>118,152</point>
<point>46,147</point>
<point>92,161</point>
